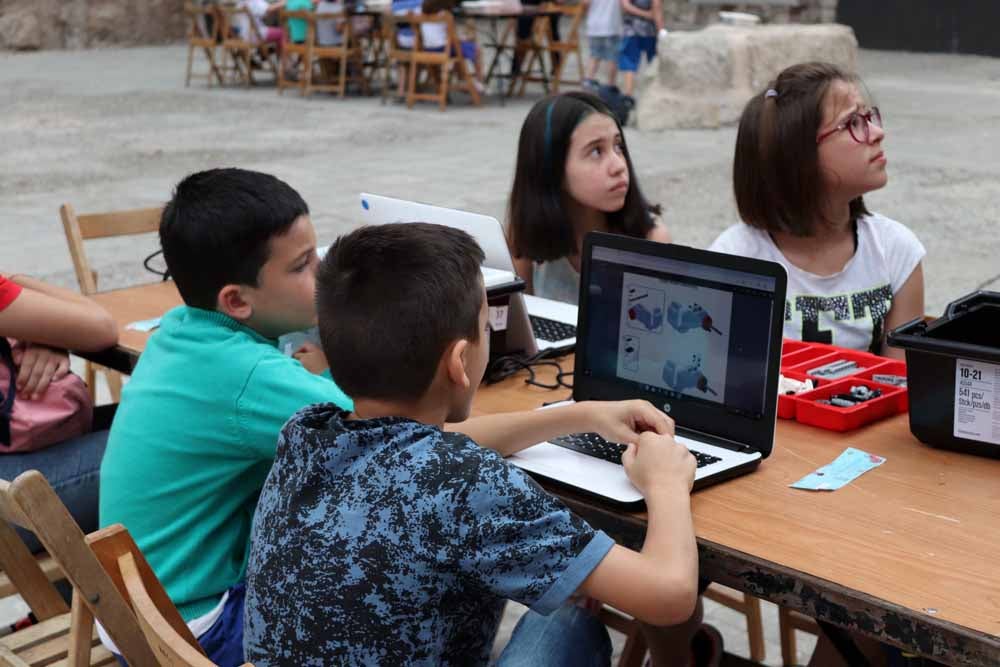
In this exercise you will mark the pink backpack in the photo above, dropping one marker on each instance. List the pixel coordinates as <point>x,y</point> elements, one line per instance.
<point>64,411</point>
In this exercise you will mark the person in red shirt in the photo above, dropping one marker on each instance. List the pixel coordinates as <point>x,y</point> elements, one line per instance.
<point>45,321</point>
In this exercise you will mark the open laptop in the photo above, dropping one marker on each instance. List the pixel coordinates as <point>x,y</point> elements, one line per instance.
<point>696,333</point>
<point>534,324</point>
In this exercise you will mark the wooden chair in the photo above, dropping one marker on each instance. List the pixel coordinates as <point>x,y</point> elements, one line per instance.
<point>440,65</point>
<point>242,43</point>
<point>203,33</point>
<point>95,226</point>
<point>161,623</point>
<point>788,622</point>
<point>347,57</point>
<point>749,606</point>
<point>558,51</point>
<point>62,634</point>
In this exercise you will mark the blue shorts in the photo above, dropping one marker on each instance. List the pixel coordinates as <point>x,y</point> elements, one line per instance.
<point>633,47</point>
<point>605,48</point>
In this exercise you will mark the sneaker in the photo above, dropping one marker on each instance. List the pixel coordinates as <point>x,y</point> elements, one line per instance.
<point>479,86</point>
<point>628,102</point>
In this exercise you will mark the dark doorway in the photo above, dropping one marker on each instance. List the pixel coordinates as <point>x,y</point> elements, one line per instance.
<point>941,26</point>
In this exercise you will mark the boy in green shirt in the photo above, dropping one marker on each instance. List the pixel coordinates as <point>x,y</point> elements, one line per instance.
<point>196,430</point>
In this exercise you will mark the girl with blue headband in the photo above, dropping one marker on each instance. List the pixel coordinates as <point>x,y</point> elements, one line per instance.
<point>573,175</point>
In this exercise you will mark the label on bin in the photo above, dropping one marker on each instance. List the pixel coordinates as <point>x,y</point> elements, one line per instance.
<point>977,415</point>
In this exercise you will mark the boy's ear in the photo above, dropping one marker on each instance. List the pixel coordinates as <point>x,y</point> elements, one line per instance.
<point>454,361</point>
<point>232,302</point>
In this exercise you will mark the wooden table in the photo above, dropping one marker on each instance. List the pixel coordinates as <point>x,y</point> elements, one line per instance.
<point>908,553</point>
<point>495,38</point>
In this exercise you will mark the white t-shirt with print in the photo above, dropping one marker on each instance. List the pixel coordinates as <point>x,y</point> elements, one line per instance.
<point>847,308</point>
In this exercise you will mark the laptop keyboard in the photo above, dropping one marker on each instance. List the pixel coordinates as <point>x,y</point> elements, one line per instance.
<point>594,445</point>
<point>551,331</point>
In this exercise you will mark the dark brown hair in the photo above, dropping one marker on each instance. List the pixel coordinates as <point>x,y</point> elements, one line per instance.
<point>390,299</point>
<point>539,225</point>
<point>776,175</point>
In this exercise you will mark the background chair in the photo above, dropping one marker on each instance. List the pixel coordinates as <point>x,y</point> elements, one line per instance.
<point>203,33</point>
<point>95,226</point>
<point>440,65</point>
<point>62,633</point>
<point>558,51</point>
<point>243,47</point>
<point>747,605</point>
<point>339,64</point>
<point>788,622</point>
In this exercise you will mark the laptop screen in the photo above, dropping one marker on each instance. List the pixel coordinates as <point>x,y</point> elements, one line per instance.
<point>694,332</point>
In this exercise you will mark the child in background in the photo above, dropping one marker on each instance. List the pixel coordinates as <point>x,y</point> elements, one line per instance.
<point>604,34</point>
<point>808,148</point>
<point>258,10</point>
<point>642,22</point>
<point>380,538</point>
<point>573,175</point>
<point>45,320</point>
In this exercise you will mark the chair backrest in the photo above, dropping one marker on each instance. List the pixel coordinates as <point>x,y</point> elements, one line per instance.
<point>286,19</point>
<point>203,24</point>
<point>239,26</point>
<point>420,22</point>
<point>161,623</point>
<point>576,14</point>
<point>102,225</point>
<point>29,502</point>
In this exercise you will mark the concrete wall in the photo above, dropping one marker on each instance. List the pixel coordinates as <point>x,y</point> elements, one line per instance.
<point>74,24</point>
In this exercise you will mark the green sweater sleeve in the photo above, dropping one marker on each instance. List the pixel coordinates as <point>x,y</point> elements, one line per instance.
<point>277,388</point>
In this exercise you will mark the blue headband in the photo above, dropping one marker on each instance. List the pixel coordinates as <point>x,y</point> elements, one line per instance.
<point>548,132</point>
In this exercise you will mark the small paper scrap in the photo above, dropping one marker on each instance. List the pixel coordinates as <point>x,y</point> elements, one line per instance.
<point>845,469</point>
<point>144,325</point>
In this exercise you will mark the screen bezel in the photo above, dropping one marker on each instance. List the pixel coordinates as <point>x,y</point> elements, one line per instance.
<point>693,417</point>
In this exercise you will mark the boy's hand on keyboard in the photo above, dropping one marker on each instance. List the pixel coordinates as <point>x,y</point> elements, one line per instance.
<point>624,421</point>
<point>311,356</point>
<point>657,462</point>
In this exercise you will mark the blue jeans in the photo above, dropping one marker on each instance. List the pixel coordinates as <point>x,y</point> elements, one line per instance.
<point>568,636</point>
<point>73,469</point>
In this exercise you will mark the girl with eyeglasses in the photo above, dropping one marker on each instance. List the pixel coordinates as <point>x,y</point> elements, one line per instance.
<point>809,147</point>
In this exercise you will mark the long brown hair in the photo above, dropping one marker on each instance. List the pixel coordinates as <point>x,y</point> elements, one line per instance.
<point>776,175</point>
<point>539,225</point>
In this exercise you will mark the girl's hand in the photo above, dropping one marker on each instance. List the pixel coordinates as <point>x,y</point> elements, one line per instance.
<point>311,356</point>
<point>624,421</point>
<point>38,366</point>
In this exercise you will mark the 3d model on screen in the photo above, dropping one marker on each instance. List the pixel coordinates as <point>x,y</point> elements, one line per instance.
<point>645,308</point>
<point>691,316</point>
<point>688,377</point>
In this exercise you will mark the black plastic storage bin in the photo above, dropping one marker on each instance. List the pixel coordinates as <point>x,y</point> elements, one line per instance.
<point>953,373</point>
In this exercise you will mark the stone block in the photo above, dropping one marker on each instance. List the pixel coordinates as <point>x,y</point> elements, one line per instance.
<point>703,78</point>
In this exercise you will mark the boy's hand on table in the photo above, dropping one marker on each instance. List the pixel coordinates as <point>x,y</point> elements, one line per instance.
<point>657,463</point>
<point>624,421</point>
<point>311,356</point>
<point>38,366</point>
